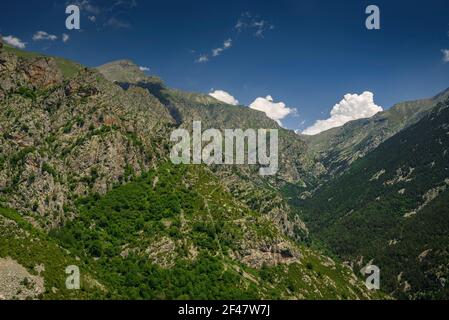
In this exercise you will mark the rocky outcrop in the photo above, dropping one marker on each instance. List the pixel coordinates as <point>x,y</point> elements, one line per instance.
<point>38,73</point>
<point>65,139</point>
<point>42,73</point>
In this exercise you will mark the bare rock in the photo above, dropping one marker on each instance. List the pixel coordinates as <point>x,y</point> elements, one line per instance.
<point>43,72</point>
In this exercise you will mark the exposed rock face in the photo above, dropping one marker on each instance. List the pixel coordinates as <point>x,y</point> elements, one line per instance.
<point>270,254</point>
<point>68,139</point>
<point>42,73</point>
<point>37,73</point>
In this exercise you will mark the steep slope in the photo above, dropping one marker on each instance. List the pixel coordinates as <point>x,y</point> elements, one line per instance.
<point>260,193</point>
<point>391,208</point>
<point>65,138</point>
<point>188,107</point>
<point>337,148</point>
<point>176,233</point>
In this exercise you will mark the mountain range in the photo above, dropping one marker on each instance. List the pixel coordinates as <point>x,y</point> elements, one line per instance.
<point>86,180</point>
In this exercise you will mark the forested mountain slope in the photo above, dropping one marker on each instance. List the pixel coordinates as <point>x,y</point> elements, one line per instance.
<point>391,208</point>
<point>337,148</point>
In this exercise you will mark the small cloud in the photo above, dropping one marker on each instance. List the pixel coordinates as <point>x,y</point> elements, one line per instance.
<point>65,37</point>
<point>42,35</point>
<point>15,42</point>
<point>253,22</point>
<point>239,25</point>
<point>276,111</point>
<point>118,24</point>
<point>87,6</point>
<point>226,45</point>
<point>144,69</point>
<point>259,24</point>
<point>259,33</point>
<point>246,22</point>
<point>352,107</point>
<point>224,97</point>
<point>202,59</point>
<point>445,55</point>
<point>123,4</point>
<point>216,52</point>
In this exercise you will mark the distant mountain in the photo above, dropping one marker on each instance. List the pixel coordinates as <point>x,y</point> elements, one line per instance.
<point>390,208</point>
<point>122,71</point>
<point>337,148</point>
<point>187,107</point>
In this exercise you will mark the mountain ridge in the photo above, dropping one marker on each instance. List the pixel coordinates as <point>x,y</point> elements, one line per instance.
<point>357,138</point>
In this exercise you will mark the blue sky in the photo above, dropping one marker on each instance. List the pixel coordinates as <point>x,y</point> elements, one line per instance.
<point>306,54</point>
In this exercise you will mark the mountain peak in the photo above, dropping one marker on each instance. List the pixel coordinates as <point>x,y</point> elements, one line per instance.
<point>125,71</point>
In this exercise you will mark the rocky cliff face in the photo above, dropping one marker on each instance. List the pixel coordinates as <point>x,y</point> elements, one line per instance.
<point>63,139</point>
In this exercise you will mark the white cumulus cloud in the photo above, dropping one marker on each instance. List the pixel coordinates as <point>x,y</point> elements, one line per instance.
<point>352,107</point>
<point>274,110</point>
<point>224,97</point>
<point>445,55</point>
<point>15,42</point>
<point>42,35</point>
<point>144,69</point>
